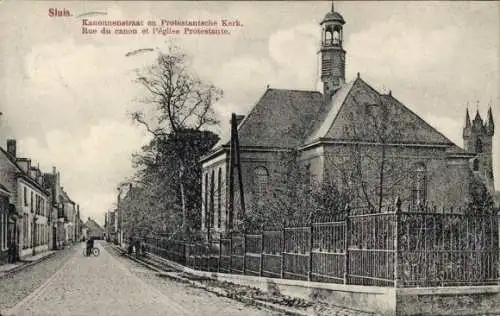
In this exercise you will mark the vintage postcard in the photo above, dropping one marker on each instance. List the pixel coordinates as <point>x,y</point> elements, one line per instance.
<point>249,158</point>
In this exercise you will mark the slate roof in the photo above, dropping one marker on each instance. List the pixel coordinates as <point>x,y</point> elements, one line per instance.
<point>21,172</point>
<point>347,119</point>
<point>281,118</point>
<point>293,118</point>
<point>65,197</point>
<point>92,224</point>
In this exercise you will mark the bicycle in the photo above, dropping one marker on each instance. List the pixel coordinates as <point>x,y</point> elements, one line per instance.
<point>94,251</point>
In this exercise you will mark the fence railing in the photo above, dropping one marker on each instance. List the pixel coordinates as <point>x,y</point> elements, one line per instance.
<point>402,249</point>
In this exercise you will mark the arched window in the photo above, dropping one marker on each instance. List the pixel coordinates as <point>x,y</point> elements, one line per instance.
<point>336,37</point>
<point>260,178</point>
<point>475,165</point>
<point>479,146</point>
<point>419,185</point>
<point>219,198</point>
<point>211,212</point>
<point>328,37</point>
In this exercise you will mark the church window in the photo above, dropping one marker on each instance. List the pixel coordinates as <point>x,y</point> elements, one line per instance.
<point>261,178</point>
<point>479,146</point>
<point>475,165</point>
<point>219,200</point>
<point>419,185</point>
<point>211,207</point>
<point>205,202</point>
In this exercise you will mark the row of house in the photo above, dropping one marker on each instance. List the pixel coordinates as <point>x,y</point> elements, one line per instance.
<point>36,213</point>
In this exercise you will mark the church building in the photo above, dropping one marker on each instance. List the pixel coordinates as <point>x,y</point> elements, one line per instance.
<point>367,143</point>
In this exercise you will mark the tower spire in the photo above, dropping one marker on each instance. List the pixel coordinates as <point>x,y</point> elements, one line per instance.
<point>333,6</point>
<point>490,127</point>
<point>467,117</point>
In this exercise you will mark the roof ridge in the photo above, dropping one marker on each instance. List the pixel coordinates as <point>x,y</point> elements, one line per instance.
<point>420,119</point>
<point>349,84</point>
<point>295,90</point>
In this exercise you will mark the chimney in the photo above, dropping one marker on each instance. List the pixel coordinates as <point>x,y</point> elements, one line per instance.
<point>130,186</point>
<point>11,147</point>
<point>54,170</point>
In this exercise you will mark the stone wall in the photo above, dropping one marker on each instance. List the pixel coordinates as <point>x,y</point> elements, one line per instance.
<point>467,300</point>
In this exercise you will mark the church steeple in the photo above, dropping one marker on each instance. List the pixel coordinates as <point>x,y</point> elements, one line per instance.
<point>467,128</point>
<point>490,125</point>
<point>478,139</point>
<point>332,52</point>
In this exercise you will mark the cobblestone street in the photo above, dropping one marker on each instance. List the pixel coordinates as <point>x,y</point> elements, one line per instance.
<point>15,286</point>
<point>108,285</point>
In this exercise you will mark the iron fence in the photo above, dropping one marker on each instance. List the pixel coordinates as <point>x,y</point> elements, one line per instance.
<point>395,248</point>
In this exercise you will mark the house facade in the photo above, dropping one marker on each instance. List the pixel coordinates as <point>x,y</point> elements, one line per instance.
<point>56,231</point>
<point>70,216</point>
<point>4,223</point>
<point>94,230</point>
<point>368,144</point>
<point>28,222</point>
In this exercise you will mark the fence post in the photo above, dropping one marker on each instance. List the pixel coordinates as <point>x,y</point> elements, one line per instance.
<point>261,263</point>
<point>282,268</point>
<point>184,259</point>
<point>205,251</point>
<point>220,253</point>
<point>311,240</point>
<point>244,251</point>
<point>347,236</point>
<point>396,242</point>
<point>231,252</point>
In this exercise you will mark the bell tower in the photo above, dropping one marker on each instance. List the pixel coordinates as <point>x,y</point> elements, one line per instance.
<point>478,136</point>
<point>332,53</point>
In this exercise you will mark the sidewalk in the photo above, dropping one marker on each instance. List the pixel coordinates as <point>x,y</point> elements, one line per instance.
<point>25,262</point>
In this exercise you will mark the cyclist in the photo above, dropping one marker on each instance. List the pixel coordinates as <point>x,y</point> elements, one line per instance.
<point>90,245</point>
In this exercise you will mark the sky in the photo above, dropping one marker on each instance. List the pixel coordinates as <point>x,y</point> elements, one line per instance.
<point>66,96</point>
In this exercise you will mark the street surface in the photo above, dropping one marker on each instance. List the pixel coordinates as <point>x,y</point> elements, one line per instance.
<point>108,285</point>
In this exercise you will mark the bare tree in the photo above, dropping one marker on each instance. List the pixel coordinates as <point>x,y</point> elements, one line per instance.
<point>369,168</point>
<point>177,102</point>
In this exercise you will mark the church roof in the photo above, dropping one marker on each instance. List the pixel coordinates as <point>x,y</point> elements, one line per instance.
<point>281,118</point>
<point>333,16</point>
<point>294,118</point>
<point>355,114</point>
